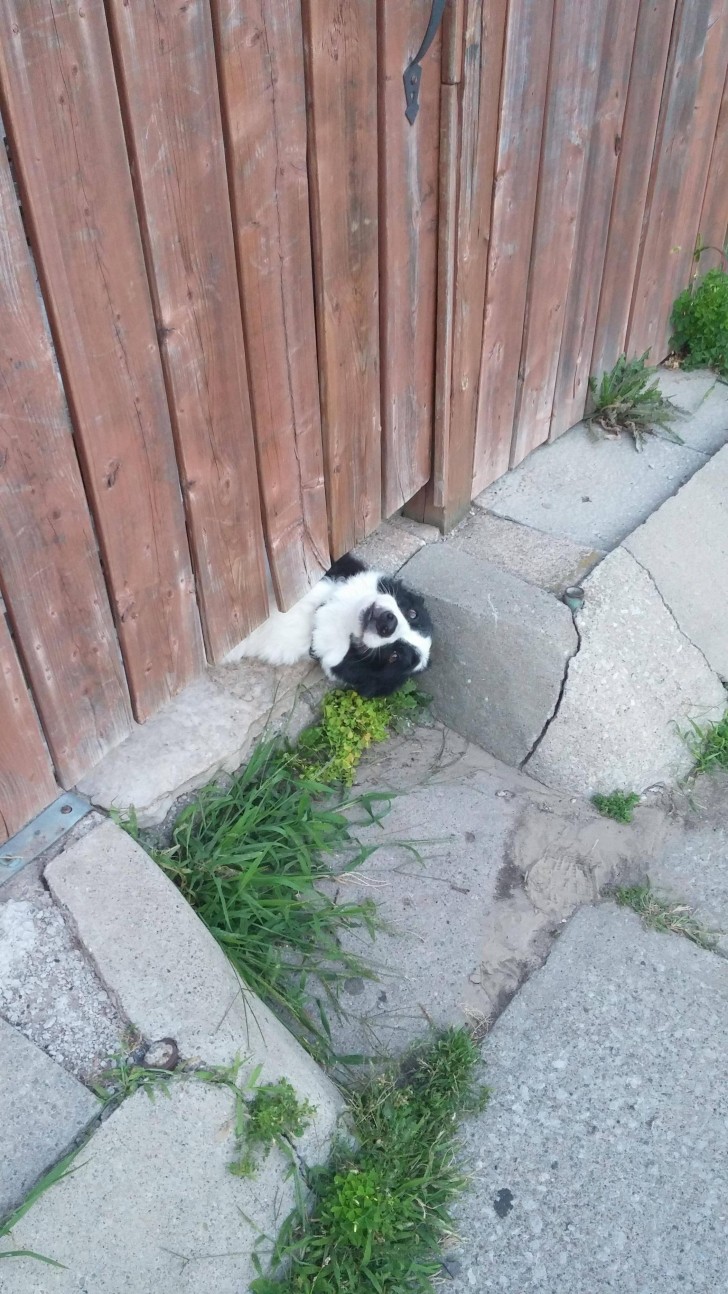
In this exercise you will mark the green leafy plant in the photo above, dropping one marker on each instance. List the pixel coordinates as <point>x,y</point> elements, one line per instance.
<point>628,398</point>
<point>381,1208</point>
<point>665,915</point>
<point>700,323</point>
<point>251,856</point>
<point>709,745</point>
<point>349,725</point>
<point>274,1116</point>
<point>620,805</point>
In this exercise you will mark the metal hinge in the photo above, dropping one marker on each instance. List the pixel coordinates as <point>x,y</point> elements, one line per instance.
<point>413,72</point>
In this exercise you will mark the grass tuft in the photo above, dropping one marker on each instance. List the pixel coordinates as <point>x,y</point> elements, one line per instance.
<point>628,398</point>
<point>709,745</point>
<point>620,805</point>
<point>665,915</point>
<point>381,1209</point>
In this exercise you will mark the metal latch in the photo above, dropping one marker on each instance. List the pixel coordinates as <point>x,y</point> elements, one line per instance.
<point>413,73</point>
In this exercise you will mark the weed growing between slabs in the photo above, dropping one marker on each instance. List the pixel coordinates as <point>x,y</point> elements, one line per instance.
<point>666,915</point>
<point>250,857</point>
<point>628,398</point>
<point>620,805</point>
<point>709,745</point>
<point>381,1208</point>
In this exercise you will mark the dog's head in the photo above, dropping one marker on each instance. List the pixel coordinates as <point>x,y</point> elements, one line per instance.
<point>394,643</point>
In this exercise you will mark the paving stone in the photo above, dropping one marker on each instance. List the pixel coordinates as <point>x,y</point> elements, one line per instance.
<point>42,1112</point>
<point>684,546</point>
<point>547,560</point>
<point>394,542</point>
<point>153,1208</point>
<point>692,868</point>
<point>599,1164</point>
<point>499,652</point>
<point>209,728</point>
<point>634,680</point>
<point>689,389</point>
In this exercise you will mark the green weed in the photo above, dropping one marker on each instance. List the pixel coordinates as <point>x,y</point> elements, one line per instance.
<point>274,1116</point>
<point>250,857</point>
<point>709,745</point>
<point>628,398</point>
<point>381,1209</point>
<point>64,1168</point>
<point>350,724</point>
<point>700,323</point>
<point>620,805</point>
<point>663,914</point>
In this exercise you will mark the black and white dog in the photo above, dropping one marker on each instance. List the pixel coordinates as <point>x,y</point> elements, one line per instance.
<point>366,630</point>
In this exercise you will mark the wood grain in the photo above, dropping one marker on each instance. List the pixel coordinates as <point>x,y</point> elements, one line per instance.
<point>341,65</point>
<point>26,775</point>
<point>260,50</point>
<point>408,214</point>
<point>576,47</point>
<point>714,216</point>
<point>582,302</point>
<point>166,61</point>
<point>696,75</point>
<point>647,78</point>
<point>49,563</point>
<point>523,97</point>
<point>63,118</point>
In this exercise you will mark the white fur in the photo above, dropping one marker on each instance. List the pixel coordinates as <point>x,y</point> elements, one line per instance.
<point>327,618</point>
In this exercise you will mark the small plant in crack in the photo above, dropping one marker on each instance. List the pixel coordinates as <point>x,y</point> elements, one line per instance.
<point>628,398</point>
<point>666,915</point>
<point>620,805</point>
<point>709,745</point>
<point>273,1118</point>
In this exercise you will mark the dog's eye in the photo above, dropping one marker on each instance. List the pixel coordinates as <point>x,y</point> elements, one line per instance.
<point>393,657</point>
<point>412,613</point>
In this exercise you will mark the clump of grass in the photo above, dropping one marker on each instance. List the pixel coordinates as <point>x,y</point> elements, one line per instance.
<point>381,1208</point>
<point>663,914</point>
<point>709,745</point>
<point>620,805</point>
<point>349,725</point>
<point>628,398</point>
<point>250,858</point>
<point>274,1116</point>
<point>700,323</point>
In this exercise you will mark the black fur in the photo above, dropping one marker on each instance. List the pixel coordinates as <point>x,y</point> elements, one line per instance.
<point>344,567</point>
<point>378,672</point>
<point>411,604</point>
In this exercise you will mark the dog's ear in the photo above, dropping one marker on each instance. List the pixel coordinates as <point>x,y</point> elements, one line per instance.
<point>345,567</point>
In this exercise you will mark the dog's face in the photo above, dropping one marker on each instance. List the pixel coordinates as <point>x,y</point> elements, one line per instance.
<point>378,671</point>
<point>398,618</point>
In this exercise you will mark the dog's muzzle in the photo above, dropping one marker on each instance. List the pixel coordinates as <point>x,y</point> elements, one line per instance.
<point>380,621</point>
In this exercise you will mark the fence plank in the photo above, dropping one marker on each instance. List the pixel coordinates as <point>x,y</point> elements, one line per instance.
<point>408,212</point>
<point>26,776</point>
<point>714,216</point>
<point>696,75</point>
<point>264,109</point>
<point>168,82</point>
<point>582,303</point>
<point>63,118</point>
<point>341,55</point>
<point>647,78</point>
<point>49,566</point>
<point>523,95</point>
<point>576,45</point>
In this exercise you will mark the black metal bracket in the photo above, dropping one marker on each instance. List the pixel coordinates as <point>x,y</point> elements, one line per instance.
<point>413,72</point>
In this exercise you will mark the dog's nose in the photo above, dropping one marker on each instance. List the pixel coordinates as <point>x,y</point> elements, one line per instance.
<point>386,623</point>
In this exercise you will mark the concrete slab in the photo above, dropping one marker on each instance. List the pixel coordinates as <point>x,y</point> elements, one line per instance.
<point>394,542</point>
<point>499,653</point>
<point>687,389</point>
<point>153,1208</point>
<point>634,679</point>
<point>591,491</point>
<point>684,546</point>
<point>547,560</point>
<point>48,989</point>
<point>693,865</point>
<point>42,1112</point>
<point>502,863</point>
<point>209,728</point>
<point>599,1164</point>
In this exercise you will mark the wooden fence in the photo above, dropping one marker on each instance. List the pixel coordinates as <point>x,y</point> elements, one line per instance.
<point>246,309</point>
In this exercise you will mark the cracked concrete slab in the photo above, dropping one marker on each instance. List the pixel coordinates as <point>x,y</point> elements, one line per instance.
<point>692,868</point>
<point>599,1163</point>
<point>550,561</point>
<point>634,680</point>
<point>42,1112</point>
<point>502,863</point>
<point>684,547</point>
<point>499,652</point>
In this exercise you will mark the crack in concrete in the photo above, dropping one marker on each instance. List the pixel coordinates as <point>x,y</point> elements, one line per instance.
<point>670,611</point>
<point>524,762</point>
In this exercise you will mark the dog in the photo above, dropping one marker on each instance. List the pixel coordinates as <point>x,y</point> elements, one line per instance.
<point>366,630</point>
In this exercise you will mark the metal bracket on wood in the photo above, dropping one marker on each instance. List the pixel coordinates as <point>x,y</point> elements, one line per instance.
<point>45,830</point>
<point>413,72</point>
